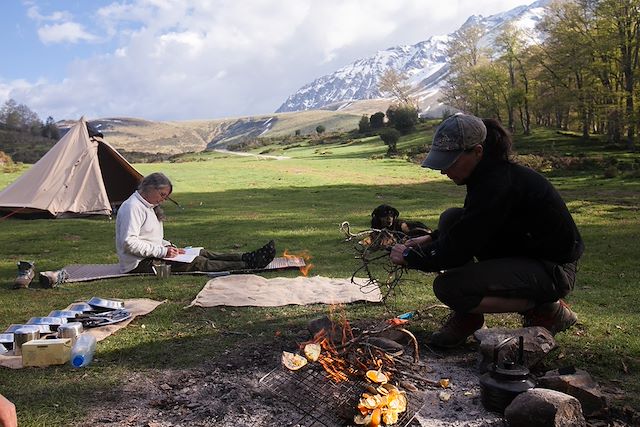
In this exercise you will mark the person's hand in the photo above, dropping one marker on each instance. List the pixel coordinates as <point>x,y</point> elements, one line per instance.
<point>8,417</point>
<point>397,254</point>
<point>172,251</point>
<point>417,242</point>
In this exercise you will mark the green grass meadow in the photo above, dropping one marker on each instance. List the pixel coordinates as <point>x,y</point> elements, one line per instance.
<point>238,203</point>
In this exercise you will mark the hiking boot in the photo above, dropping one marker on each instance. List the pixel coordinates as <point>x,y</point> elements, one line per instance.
<point>53,279</point>
<point>26,272</point>
<point>554,316</point>
<point>260,258</point>
<point>457,329</point>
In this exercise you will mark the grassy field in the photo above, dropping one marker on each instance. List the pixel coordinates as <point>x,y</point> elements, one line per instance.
<point>234,202</point>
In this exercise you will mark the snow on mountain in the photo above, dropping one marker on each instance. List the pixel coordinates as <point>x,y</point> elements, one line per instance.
<point>424,63</point>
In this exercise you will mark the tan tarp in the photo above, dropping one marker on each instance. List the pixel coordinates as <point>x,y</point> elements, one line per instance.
<point>137,307</point>
<point>240,290</point>
<point>80,175</point>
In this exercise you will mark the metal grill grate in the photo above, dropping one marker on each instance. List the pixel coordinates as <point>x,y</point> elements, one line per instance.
<point>319,401</point>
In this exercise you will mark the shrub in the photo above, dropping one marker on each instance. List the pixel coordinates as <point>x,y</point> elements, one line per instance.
<point>390,137</point>
<point>364,125</point>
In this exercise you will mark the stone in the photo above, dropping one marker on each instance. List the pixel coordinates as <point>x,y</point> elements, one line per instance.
<point>538,342</point>
<point>543,407</point>
<point>579,384</point>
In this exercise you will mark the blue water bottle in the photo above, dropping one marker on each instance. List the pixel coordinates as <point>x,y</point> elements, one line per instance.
<point>82,351</point>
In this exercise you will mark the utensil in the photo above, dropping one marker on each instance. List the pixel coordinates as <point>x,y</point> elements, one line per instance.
<point>21,336</point>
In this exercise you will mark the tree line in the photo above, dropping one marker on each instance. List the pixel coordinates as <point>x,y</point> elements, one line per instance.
<point>19,117</point>
<point>581,77</point>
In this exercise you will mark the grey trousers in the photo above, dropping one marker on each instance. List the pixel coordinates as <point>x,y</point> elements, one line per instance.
<point>206,261</point>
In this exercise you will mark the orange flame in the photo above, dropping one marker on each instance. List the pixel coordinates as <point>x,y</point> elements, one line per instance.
<point>304,255</point>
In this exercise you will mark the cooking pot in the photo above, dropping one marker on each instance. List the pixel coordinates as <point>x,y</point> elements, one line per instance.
<point>70,330</point>
<point>23,335</point>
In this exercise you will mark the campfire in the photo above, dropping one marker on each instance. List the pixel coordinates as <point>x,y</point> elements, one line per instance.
<point>365,356</point>
<point>304,255</point>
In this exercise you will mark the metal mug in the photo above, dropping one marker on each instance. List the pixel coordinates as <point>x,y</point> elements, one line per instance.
<point>162,271</point>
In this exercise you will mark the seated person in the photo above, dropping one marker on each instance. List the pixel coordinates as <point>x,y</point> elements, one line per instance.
<point>140,237</point>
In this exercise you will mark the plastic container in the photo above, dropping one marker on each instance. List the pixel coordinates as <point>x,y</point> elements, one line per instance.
<point>83,350</point>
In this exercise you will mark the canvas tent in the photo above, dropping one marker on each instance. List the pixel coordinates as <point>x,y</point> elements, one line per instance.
<point>81,175</point>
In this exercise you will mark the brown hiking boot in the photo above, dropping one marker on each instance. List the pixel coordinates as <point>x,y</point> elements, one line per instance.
<point>554,316</point>
<point>53,279</point>
<point>26,272</point>
<point>457,329</point>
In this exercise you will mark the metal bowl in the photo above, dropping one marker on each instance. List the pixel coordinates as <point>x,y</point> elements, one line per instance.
<point>6,340</point>
<point>105,304</point>
<point>70,315</point>
<point>53,322</point>
<point>81,307</point>
<point>43,329</point>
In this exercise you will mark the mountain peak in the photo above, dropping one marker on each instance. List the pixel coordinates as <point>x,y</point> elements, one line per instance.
<point>425,63</point>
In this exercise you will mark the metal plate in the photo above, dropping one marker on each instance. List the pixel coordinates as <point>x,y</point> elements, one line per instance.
<point>105,304</point>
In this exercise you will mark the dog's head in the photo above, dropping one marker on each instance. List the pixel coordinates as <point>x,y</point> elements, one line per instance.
<point>383,216</point>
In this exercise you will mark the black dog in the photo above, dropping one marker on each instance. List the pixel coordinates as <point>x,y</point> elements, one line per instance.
<point>386,217</point>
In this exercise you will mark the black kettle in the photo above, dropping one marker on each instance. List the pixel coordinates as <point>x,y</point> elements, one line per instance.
<point>505,380</point>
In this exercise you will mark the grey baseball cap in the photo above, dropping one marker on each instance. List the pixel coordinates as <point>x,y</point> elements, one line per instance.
<point>454,135</point>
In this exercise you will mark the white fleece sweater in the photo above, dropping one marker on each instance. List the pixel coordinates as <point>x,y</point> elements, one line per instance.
<point>139,234</point>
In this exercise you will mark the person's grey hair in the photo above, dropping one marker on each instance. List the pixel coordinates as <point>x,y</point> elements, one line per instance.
<point>156,181</point>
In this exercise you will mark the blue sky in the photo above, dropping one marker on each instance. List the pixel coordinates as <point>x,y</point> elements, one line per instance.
<point>198,59</point>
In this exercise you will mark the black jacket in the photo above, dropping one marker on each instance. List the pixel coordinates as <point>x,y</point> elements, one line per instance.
<point>509,211</point>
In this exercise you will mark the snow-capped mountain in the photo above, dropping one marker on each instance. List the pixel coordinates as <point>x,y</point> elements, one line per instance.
<point>424,63</point>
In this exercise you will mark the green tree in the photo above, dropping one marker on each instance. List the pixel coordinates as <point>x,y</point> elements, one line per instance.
<point>402,117</point>
<point>50,130</point>
<point>377,120</point>
<point>320,129</point>
<point>390,137</point>
<point>19,116</point>
<point>364,125</point>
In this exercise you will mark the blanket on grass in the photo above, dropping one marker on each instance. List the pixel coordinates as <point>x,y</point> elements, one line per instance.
<point>137,307</point>
<point>87,272</point>
<point>252,290</point>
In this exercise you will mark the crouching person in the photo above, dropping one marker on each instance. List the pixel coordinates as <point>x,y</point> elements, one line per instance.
<point>140,236</point>
<point>512,247</point>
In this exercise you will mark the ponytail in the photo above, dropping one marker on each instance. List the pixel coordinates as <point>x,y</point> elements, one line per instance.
<point>497,145</point>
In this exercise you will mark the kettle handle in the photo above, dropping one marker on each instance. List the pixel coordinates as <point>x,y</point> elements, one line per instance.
<point>504,342</point>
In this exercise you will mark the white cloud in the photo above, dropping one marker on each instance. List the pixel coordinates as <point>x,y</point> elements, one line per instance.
<point>71,32</point>
<point>203,59</point>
